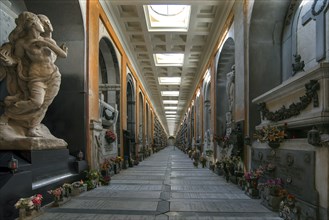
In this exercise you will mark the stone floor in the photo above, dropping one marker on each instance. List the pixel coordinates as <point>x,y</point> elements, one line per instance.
<point>165,186</point>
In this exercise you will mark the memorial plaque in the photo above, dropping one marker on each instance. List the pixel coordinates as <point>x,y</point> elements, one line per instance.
<point>295,167</point>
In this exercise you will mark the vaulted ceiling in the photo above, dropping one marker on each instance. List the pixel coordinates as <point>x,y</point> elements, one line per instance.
<point>207,18</point>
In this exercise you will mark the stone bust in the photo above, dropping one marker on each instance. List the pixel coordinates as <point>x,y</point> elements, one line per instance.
<point>27,63</point>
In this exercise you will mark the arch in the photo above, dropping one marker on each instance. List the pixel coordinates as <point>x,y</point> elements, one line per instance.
<point>225,64</point>
<point>147,115</point>
<point>198,129</point>
<point>109,74</point>
<point>141,134</point>
<point>69,106</point>
<point>131,111</point>
<point>265,43</point>
<point>206,112</point>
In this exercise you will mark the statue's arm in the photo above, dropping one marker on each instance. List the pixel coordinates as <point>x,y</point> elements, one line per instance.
<point>60,51</point>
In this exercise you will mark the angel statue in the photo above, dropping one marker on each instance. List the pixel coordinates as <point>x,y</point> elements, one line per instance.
<point>27,63</point>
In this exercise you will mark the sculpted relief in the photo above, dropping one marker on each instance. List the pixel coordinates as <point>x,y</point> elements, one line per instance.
<point>27,64</point>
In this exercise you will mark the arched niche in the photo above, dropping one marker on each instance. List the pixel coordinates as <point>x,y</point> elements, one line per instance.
<point>65,114</point>
<point>265,43</point>
<point>198,120</point>
<point>225,66</point>
<point>192,118</point>
<point>148,133</point>
<point>206,112</point>
<point>131,111</point>
<point>109,80</point>
<point>141,125</point>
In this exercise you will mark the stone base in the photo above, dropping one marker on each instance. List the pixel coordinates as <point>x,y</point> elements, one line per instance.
<point>13,137</point>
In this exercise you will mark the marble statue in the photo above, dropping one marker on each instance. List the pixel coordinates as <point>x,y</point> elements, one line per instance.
<point>27,63</point>
<point>230,87</point>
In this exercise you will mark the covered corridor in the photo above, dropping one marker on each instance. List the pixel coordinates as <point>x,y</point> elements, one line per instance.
<point>164,186</point>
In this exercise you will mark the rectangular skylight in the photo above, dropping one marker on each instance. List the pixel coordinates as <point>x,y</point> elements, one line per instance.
<point>169,80</point>
<point>170,116</point>
<point>169,59</point>
<point>167,17</point>
<point>170,93</point>
<point>170,107</point>
<point>170,112</point>
<point>170,101</point>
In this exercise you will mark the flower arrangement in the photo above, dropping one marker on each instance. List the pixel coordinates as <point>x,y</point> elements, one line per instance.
<point>209,153</point>
<point>24,203</point>
<point>77,184</point>
<point>105,165</point>
<point>92,179</point>
<point>254,174</point>
<point>67,189</point>
<point>56,193</point>
<point>118,159</point>
<point>110,136</point>
<point>270,134</point>
<point>37,200</point>
<point>203,161</point>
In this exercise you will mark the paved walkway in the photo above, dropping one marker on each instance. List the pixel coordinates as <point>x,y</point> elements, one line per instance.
<point>164,186</point>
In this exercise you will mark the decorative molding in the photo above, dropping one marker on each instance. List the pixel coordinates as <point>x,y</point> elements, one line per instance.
<point>299,64</point>
<point>295,108</point>
<point>317,10</point>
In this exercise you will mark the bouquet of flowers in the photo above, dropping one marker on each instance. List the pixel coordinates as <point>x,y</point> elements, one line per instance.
<point>56,193</point>
<point>24,203</point>
<point>37,199</point>
<point>110,136</point>
<point>270,134</point>
<point>67,189</point>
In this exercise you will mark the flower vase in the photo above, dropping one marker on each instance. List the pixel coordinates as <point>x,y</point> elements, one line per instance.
<point>28,212</point>
<point>274,144</point>
<point>37,207</point>
<point>56,201</point>
<point>22,213</point>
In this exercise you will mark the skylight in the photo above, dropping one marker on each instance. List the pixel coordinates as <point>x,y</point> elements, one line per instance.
<point>170,93</point>
<point>170,112</point>
<point>169,80</point>
<point>167,17</point>
<point>170,107</point>
<point>169,59</point>
<point>170,101</point>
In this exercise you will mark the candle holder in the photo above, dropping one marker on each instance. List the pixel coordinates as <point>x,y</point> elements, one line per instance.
<point>13,164</point>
